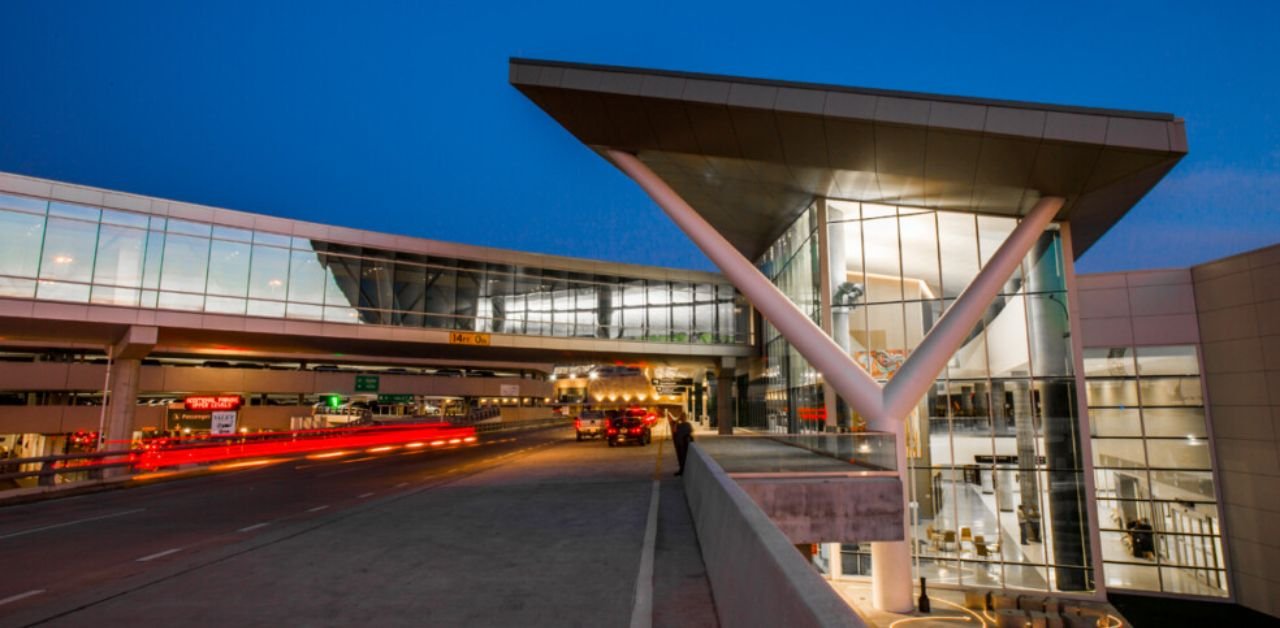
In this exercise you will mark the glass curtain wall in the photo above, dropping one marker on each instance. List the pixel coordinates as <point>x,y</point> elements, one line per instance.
<point>793,392</point>
<point>66,252</point>
<point>994,448</point>
<point>1157,504</point>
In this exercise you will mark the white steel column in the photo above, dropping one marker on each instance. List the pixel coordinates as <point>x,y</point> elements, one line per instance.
<point>918,373</point>
<point>836,366</point>
<point>886,409</point>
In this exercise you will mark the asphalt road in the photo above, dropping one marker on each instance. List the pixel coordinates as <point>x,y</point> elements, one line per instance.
<point>530,529</point>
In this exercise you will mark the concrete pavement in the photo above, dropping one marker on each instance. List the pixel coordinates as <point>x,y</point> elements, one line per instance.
<point>552,535</point>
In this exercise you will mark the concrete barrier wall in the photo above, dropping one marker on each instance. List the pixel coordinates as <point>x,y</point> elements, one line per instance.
<point>758,577</point>
<point>514,414</point>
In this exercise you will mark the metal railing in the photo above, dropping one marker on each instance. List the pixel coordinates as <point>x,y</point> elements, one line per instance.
<point>52,466</point>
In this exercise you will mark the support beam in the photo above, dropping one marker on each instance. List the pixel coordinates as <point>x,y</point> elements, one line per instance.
<point>124,372</point>
<point>918,373</point>
<point>837,367</point>
<point>885,408</point>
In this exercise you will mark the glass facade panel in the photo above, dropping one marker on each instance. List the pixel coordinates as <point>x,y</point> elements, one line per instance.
<point>1117,422</point>
<point>121,252</point>
<point>69,246</point>
<point>269,273</point>
<point>124,219</point>
<point>883,261</point>
<point>1174,422</point>
<point>1108,392</point>
<point>21,236</point>
<point>992,232</point>
<point>1167,361</point>
<point>1164,510</point>
<point>921,277</point>
<point>71,210</point>
<point>994,447</point>
<point>1171,391</point>
<point>958,250</point>
<point>1109,362</point>
<point>185,266</point>
<point>24,204</point>
<point>229,269</point>
<point>306,279</point>
<point>80,253</point>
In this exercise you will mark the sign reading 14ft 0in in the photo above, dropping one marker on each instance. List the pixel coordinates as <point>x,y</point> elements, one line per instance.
<point>367,383</point>
<point>468,338</point>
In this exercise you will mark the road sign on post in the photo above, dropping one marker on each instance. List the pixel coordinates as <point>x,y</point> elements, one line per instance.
<point>367,383</point>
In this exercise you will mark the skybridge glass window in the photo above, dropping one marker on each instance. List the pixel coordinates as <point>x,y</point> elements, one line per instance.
<point>70,252</point>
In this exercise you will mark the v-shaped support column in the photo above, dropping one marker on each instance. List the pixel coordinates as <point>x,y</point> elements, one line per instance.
<point>847,377</point>
<point>886,408</point>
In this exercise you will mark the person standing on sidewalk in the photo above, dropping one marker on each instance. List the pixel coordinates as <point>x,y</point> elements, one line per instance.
<point>682,436</point>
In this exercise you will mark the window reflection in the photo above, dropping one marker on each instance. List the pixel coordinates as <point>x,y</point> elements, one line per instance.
<point>1000,428</point>
<point>229,269</point>
<point>21,236</point>
<point>185,266</point>
<point>1154,471</point>
<point>117,257</point>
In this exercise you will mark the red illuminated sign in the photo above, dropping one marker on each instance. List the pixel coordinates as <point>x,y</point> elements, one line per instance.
<point>221,402</point>
<point>812,414</point>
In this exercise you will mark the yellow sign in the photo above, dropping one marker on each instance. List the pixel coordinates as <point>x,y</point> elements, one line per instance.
<point>468,338</point>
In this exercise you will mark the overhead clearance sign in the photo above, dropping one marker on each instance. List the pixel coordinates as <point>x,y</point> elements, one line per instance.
<point>209,403</point>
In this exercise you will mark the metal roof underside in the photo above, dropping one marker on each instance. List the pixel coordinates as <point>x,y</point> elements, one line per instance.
<point>750,154</point>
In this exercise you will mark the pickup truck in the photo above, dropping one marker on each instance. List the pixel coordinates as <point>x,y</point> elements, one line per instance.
<point>591,423</point>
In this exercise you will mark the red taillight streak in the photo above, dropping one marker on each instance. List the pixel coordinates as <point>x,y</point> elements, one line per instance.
<point>298,442</point>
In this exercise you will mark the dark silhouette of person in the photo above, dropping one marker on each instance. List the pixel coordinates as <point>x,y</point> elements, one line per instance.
<point>682,437</point>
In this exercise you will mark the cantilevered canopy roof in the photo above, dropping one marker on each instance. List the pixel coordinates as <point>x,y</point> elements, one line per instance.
<point>750,154</point>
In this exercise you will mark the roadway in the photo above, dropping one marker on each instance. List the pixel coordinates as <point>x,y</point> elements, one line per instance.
<point>526,529</point>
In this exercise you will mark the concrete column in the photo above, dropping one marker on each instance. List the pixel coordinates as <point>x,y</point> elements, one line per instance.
<point>891,579</point>
<point>123,394</point>
<point>835,566</point>
<point>122,386</point>
<point>724,396</point>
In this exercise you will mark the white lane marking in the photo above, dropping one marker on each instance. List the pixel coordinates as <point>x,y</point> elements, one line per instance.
<point>318,508</point>
<point>71,523</point>
<point>253,527</point>
<point>21,596</point>
<point>642,612</point>
<point>364,495</point>
<point>402,485</point>
<point>159,554</point>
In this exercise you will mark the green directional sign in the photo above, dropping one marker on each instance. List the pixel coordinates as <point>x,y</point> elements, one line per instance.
<point>366,383</point>
<point>395,398</point>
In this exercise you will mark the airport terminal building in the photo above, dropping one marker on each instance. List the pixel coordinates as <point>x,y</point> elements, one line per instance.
<point>893,262</point>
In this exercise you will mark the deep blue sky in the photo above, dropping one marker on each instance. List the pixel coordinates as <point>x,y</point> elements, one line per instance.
<point>398,116</point>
